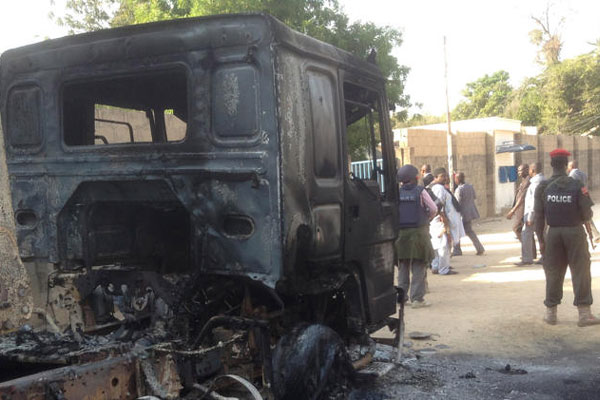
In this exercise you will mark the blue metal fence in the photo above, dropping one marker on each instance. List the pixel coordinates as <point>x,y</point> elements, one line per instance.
<point>364,169</point>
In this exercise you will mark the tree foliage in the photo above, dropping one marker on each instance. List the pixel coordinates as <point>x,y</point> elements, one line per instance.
<point>485,97</point>
<point>418,120</point>
<point>526,102</point>
<point>322,19</point>
<point>571,96</point>
<point>564,98</point>
<point>85,15</point>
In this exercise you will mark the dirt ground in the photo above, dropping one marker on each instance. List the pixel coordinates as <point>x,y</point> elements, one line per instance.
<point>488,339</point>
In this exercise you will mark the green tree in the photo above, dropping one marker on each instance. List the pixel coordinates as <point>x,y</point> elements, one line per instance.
<point>420,119</point>
<point>485,97</point>
<point>571,103</point>
<point>526,103</point>
<point>322,19</point>
<point>85,15</point>
<point>564,99</point>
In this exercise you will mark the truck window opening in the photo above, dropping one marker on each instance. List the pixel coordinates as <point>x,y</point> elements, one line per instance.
<point>127,110</point>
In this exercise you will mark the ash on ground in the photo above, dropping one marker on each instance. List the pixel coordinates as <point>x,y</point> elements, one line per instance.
<point>459,376</point>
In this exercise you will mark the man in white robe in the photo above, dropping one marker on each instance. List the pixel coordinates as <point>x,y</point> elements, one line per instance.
<point>441,241</point>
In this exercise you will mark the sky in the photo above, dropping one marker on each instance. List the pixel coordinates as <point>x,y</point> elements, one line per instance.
<point>483,36</point>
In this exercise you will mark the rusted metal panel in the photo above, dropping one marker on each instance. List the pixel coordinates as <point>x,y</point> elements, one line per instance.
<point>113,378</point>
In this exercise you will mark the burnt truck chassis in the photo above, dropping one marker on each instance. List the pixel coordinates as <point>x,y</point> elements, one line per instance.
<point>150,351</point>
<point>187,267</point>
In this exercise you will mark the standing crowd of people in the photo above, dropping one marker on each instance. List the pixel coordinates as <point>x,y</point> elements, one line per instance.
<point>557,211</point>
<point>432,220</point>
<point>522,212</point>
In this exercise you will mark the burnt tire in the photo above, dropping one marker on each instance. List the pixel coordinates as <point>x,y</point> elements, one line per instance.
<point>310,362</point>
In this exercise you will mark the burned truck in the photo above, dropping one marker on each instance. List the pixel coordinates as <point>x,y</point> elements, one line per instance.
<point>185,210</point>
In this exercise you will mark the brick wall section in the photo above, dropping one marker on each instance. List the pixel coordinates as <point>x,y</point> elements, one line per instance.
<point>427,147</point>
<point>490,171</point>
<point>420,147</point>
<point>547,143</point>
<point>470,156</point>
<point>566,142</point>
<point>594,171</point>
<point>580,153</point>
<point>475,155</point>
<point>530,156</point>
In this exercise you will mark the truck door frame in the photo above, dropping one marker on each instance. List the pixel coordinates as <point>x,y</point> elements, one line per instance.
<point>370,216</point>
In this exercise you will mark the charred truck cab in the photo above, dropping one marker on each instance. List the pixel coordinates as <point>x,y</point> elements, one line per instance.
<point>185,184</point>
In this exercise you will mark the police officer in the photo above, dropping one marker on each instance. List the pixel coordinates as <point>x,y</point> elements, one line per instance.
<point>565,205</point>
<point>413,247</point>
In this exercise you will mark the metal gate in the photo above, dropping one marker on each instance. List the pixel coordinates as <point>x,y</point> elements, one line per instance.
<point>364,169</point>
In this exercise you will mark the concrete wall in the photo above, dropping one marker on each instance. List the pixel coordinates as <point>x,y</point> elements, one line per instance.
<point>581,153</point>
<point>474,154</point>
<point>425,147</point>
<point>527,157</point>
<point>470,150</point>
<point>471,156</point>
<point>594,178</point>
<point>566,142</point>
<point>490,170</point>
<point>545,145</point>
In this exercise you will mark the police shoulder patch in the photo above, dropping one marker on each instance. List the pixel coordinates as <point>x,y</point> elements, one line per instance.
<point>585,191</point>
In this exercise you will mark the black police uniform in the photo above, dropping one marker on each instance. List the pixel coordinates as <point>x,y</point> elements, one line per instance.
<point>564,205</point>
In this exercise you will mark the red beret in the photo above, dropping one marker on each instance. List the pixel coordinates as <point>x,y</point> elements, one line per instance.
<point>559,153</point>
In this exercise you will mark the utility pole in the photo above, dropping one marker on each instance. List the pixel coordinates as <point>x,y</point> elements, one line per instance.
<point>449,129</point>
